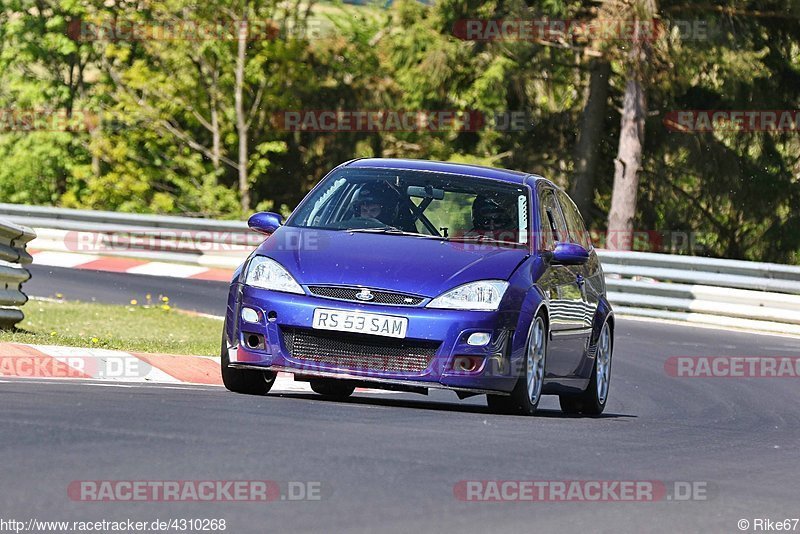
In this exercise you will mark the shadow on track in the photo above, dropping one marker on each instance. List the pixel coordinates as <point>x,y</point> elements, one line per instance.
<point>436,406</point>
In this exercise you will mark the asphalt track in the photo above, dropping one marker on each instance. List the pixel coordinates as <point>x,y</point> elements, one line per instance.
<point>117,288</point>
<point>390,462</point>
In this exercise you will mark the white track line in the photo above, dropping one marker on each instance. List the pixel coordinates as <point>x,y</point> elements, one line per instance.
<point>63,259</point>
<point>156,268</point>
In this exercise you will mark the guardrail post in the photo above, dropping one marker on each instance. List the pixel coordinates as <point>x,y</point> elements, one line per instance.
<point>13,273</point>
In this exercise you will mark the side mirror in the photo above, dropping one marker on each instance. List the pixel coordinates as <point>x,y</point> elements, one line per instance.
<point>265,222</point>
<point>570,254</point>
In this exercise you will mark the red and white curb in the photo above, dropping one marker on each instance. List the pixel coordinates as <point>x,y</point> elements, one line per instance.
<point>56,362</point>
<point>116,264</point>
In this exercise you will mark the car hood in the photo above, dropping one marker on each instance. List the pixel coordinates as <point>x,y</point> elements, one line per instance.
<point>415,265</point>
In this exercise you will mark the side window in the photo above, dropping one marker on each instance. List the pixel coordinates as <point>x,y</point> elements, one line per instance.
<point>577,230</point>
<point>554,228</point>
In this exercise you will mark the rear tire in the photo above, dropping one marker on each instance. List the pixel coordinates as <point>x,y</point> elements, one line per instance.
<point>525,397</point>
<point>245,381</point>
<point>593,401</point>
<point>332,388</point>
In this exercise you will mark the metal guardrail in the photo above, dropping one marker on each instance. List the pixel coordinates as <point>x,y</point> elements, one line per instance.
<point>102,221</point>
<point>13,259</point>
<point>744,294</point>
<point>205,242</point>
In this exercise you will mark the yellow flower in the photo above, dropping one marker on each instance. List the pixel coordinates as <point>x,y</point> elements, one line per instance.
<point>165,307</point>
<point>59,296</point>
<point>52,334</point>
<point>134,302</point>
<point>95,340</point>
<point>164,299</point>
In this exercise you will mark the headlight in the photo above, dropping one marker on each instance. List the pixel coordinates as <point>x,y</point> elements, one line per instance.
<point>266,273</point>
<point>484,295</point>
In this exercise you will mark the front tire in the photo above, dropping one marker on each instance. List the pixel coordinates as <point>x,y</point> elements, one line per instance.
<point>593,400</point>
<point>524,399</point>
<point>245,381</point>
<point>332,388</point>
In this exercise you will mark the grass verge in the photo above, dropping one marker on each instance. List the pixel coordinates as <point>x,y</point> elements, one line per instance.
<point>134,328</point>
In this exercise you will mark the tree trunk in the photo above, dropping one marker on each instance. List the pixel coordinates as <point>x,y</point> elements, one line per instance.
<point>241,120</point>
<point>627,165</point>
<point>376,142</point>
<point>94,134</point>
<point>215,127</point>
<point>628,162</point>
<point>591,131</point>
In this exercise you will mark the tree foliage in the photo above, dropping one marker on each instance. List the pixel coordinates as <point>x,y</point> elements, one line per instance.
<point>144,123</point>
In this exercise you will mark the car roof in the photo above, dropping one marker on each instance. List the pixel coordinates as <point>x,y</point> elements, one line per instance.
<point>479,171</point>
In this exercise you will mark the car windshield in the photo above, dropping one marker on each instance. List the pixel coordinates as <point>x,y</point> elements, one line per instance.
<point>419,203</point>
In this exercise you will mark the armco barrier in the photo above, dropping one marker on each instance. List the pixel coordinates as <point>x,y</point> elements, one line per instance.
<point>13,259</point>
<point>742,294</point>
<point>206,242</point>
<point>101,221</point>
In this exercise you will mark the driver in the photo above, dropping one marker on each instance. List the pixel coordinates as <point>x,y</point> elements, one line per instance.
<point>370,210</point>
<point>372,202</point>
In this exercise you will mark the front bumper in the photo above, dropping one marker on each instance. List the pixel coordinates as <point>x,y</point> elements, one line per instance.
<point>445,332</point>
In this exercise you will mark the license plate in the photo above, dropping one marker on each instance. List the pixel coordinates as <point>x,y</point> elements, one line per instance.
<point>362,323</point>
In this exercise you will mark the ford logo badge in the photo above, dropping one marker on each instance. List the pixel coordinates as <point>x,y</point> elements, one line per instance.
<point>365,294</point>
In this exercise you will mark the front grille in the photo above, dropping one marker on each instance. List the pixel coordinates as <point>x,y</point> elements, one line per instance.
<point>359,351</point>
<point>379,297</point>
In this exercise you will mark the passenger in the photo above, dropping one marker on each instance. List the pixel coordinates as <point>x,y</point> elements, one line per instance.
<point>489,215</point>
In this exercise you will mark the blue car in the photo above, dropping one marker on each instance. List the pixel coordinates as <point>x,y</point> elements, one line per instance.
<point>409,275</point>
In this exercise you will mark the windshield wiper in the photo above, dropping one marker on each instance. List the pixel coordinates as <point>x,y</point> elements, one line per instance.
<point>390,230</point>
<point>481,239</point>
<point>456,239</point>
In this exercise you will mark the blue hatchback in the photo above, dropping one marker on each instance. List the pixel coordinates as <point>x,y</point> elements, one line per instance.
<point>409,275</point>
